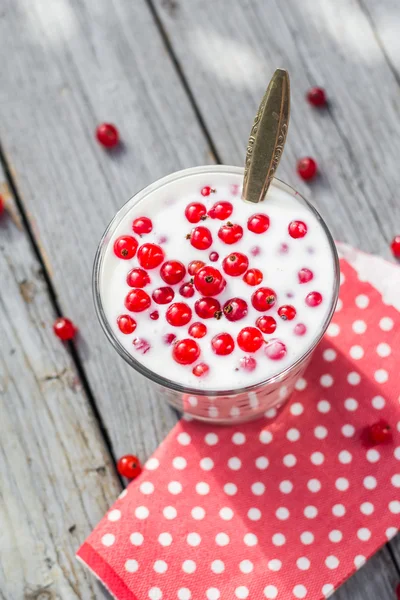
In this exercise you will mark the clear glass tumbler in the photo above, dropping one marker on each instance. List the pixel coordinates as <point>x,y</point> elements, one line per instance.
<point>230,405</point>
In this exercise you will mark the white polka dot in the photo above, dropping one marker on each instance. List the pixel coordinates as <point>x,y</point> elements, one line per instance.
<point>283,392</point>
<point>114,515</point>
<point>333,330</point>
<point>356,352</point>
<point>359,327</point>
<point>165,539</point>
<point>230,489</point>
<point>332,562</point>
<point>202,488</point>
<point>310,512</point>
<point>370,482</point>
<point>394,507</point>
<point>211,439</point>
<point>342,278</point>
<point>373,455</point>
<point>184,438</point>
<point>184,594</point>
<point>286,486</point>
<point>160,566</point>
<point>238,438</point>
<point>335,536</point>
<point>123,494</point>
<point>234,463</point>
<point>246,566</point>
<point>339,305</point>
<point>320,432</point>
<point>262,462</point>
<point>345,457</point>
<point>226,513</point>
<point>329,355</point>
<point>271,592</point>
<point>363,534</point>
<point>289,460</point>
<point>353,378</point>
<point>213,594</point>
<point>265,436</point>
<point>348,430</point>
<point>136,538</point>
<point>351,404</point>
<point>206,464</point>
<point>342,484</point>
<point>359,561</point>
<point>193,539</point>
<point>152,464</point>
<point>396,480</point>
<point>386,323</point>
<point>396,453</point>
<point>306,538</point>
<point>179,463</point>
<point>187,417</point>
<point>155,593</point>
<point>108,539</point>
<point>383,350</point>
<point>146,487</point>
<point>169,512</point>
<point>254,514</point>
<point>282,513</point>
<point>142,512</point>
<point>327,590</point>
<point>241,592</point>
<point>271,413</point>
<point>326,380</point>
<point>362,301</point>
<point>250,539</point>
<point>258,488</point>
<point>188,566</point>
<point>338,510</point>
<point>297,409</point>
<point>323,406</point>
<point>192,400</point>
<point>378,402</point>
<point>367,508</point>
<point>301,384</point>
<point>299,591</point>
<point>217,566</point>
<point>314,485</point>
<point>293,435</point>
<point>222,539</point>
<point>317,458</point>
<point>174,487</point>
<point>381,376</point>
<point>274,564</point>
<point>198,513</point>
<point>278,539</point>
<point>391,532</point>
<point>303,563</point>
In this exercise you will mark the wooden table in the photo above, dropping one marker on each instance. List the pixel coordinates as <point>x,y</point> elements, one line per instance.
<point>182,80</point>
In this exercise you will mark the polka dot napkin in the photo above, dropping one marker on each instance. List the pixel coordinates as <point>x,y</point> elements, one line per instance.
<point>284,507</point>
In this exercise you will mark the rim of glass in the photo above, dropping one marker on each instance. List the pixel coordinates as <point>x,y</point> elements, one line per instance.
<point>139,366</point>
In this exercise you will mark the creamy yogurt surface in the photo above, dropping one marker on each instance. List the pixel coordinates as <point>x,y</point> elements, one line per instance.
<point>297,272</point>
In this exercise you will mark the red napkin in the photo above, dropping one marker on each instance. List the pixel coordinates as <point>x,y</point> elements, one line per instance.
<point>285,507</point>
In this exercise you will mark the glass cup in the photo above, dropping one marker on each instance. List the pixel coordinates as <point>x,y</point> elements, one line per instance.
<point>230,405</point>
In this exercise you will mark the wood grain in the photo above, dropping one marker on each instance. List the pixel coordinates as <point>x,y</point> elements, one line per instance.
<point>56,476</point>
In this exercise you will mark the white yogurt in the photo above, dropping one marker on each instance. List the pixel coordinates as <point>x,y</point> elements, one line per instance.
<point>274,252</point>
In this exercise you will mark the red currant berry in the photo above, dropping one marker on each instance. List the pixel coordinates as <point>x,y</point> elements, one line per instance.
<point>395,246</point>
<point>195,266</point>
<point>186,351</point>
<point>266,324</point>
<point>206,190</point>
<point>150,256</point>
<point>248,363</point>
<point>207,308</point>
<point>235,309</point>
<point>169,338</point>
<point>126,324</point>
<point>300,329</point>
<point>200,370</point>
<point>230,233</point>
<point>1,205</point>
<point>129,466</point>
<point>313,299</point>
<point>197,330</point>
<point>178,314</point>
<point>187,290</point>
<point>275,349</point>
<point>305,275</point>
<point>250,339</point>
<point>223,344</point>
<point>137,300</point>
<point>287,312</point>
<point>214,256</point>
<point>258,223</point>
<point>263,299</point>
<point>221,210</point>
<point>172,272</point>
<point>235,264</point>
<point>253,277</point>
<point>209,281</point>
<point>155,315</point>
<point>107,135</point>
<point>307,168</point>
<point>137,278</point>
<point>380,432</point>
<point>200,238</point>
<point>297,229</point>
<point>141,345</point>
<point>125,247</point>
<point>142,225</point>
<point>195,212</point>
<point>64,329</point>
<point>163,295</point>
<point>255,251</point>
<point>316,96</point>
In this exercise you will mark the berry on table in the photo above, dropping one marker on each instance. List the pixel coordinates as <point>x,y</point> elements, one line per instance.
<point>248,363</point>
<point>250,339</point>
<point>223,344</point>
<point>253,277</point>
<point>300,329</point>
<point>207,190</point>
<point>258,223</point>
<point>137,278</point>
<point>395,246</point>
<point>287,312</point>
<point>316,96</point>
<point>142,225</point>
<point>214,256</point>
<point>197,330</point>
<point>187,290</point>
<point>263,299</point>
<point>172,272</point>
<point>178,314</point>
<point>305,275</point>
<point>107,135</point>
<point>208,308</point>
<point>200,370</point>
<point>235,309</point>
<point>64,329</point>
<point>307,168</point>
<point>1,205</point>
<point>137,300</point>
<point>235,264</point>
<point>195,266</point>
<point>297,229</point>
<point>221,210</point>
<point>129,466</point>
<point>169,338</point>
<point>186,352</point>
<point>209,281</point>
<point>150,256</point>
<point>313,299</point>
<point>230,233</point>
<point>195,212</point>
<point>163,295</point>
<point>125,247</point>
<point>200,238</point>
<point>155,315</point>
<point>266,324</point>
<point>126,324</point>
<point>275,349</point>
<point>380,432</point>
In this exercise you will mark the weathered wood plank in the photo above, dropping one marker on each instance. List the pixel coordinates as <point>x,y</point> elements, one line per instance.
<point>56,476</point>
